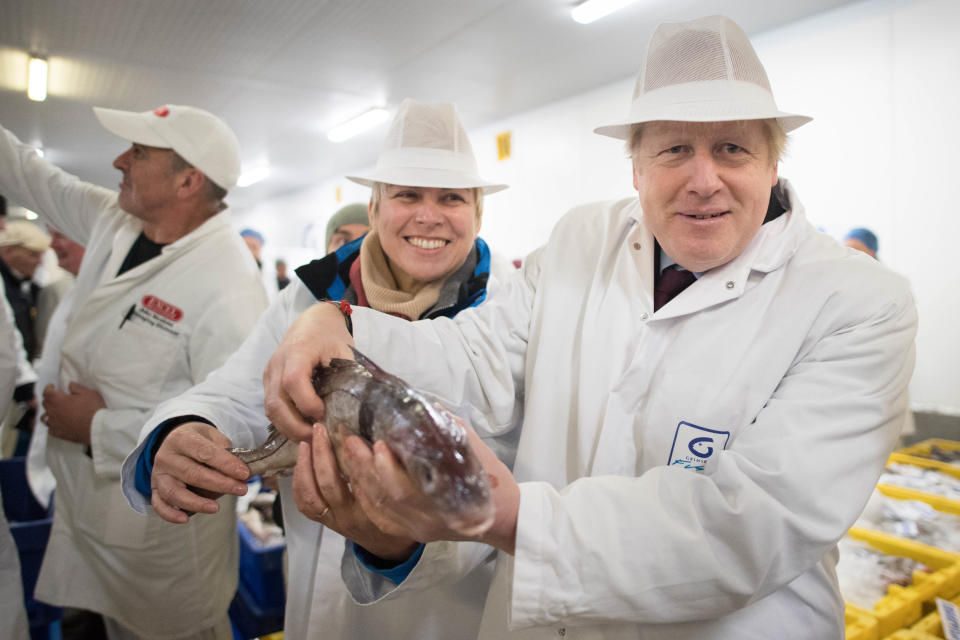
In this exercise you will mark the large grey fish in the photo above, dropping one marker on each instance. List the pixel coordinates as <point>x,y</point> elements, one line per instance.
<point>375,405</point>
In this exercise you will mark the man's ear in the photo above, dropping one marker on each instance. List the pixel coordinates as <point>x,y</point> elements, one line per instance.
<point>190,181</point>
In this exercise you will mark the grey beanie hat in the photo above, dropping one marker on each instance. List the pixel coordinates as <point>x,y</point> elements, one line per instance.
<point>355,213</point>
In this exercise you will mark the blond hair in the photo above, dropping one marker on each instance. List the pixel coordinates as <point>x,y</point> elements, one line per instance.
<point>774,133</point>
<point>379,188</point>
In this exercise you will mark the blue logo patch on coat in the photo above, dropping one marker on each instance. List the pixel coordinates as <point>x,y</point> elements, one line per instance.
<point>693,446</point>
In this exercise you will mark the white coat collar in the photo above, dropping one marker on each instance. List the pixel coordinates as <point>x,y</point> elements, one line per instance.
<point>774,244</point>
<point>131,228</point>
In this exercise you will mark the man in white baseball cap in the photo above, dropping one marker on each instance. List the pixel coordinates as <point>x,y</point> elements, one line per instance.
<point>166,291</point>
<point>709,388</point>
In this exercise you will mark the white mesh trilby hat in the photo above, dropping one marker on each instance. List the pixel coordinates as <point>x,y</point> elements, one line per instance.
<point>198,136</point>
<point>427,147</point>
<point>704,70</point>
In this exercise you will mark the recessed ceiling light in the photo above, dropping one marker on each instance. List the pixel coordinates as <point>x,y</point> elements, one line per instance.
<point>591,10</point>
<point>37,82</point>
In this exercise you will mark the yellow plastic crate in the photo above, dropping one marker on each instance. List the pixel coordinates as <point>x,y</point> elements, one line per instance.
<point>902,606</point>
<point>860,624</point>
<point>910,634</point>
<point>930,624</point>
<point>937,502</point>
<point>917,456</point>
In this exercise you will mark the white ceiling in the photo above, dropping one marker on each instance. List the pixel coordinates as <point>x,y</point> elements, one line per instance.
<point>282,72</point>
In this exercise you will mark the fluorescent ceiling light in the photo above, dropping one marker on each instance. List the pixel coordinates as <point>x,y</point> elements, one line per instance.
<point>251,176</point>
<point>361,123</point>
<point>587,12</point>
<point>30,215</point>
<point>37,83</point>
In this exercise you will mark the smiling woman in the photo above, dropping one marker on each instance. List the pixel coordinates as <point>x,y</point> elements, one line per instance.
<point>423,256</point>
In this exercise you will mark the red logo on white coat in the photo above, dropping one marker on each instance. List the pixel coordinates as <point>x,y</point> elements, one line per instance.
<point>162,307</point>
<point>161,112</point>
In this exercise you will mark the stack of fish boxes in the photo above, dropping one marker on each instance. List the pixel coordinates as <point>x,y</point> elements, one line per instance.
<point>30,526</point>
<point>257,608</point>
<point>900,615</point>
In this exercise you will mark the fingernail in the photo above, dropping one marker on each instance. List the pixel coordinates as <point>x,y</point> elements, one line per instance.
<point>240,489</point>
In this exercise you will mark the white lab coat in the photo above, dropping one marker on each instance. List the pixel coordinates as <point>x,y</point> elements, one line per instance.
<point>318,605</point>
<point>138,338</point>
<point>13,616</point>
<point>686,473</point>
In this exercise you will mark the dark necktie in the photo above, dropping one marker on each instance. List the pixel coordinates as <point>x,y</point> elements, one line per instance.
<point>673,280</point>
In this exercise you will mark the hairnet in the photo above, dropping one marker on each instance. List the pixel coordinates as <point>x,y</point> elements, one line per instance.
<point>253,233</point>
<point>864,235</point>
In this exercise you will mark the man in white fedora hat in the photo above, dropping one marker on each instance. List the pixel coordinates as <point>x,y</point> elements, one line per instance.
<point>706,388</point>
<point>422,258</point>
<point>166,292</point>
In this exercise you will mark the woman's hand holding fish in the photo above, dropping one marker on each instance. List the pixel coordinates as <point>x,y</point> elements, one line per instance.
<point>394,503</point>
<point>318,335</point>
<point>322,494</point>
<point>191,470</point>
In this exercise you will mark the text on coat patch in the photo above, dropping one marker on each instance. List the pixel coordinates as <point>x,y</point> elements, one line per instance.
<point>694,446</point>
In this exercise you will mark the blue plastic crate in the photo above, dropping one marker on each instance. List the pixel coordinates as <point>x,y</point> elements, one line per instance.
<point>19,505</point>
<point>251,620</point>
<point>30,526</point>
<point>261,570</point>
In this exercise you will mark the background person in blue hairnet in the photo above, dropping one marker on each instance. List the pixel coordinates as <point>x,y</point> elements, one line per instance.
<point>862,239</point>
<point>254,241</point>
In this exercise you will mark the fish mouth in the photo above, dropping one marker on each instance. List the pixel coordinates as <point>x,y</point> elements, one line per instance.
<point>427,243</point>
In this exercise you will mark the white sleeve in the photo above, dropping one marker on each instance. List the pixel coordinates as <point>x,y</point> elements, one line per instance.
<point>231,397</point>
<point>672,545</point>
<point>69,204</point>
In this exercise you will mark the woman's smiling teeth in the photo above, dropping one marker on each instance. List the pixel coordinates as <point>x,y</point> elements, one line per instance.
<point>706,215</point>
<point>426,243</point>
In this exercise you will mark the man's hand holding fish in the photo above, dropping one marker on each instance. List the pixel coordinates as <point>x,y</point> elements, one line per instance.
<point>323,494</point>
<point>288,392</point>
<point>191,470</point>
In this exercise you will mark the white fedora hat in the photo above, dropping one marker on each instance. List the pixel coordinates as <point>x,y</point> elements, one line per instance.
<point>427,146</point>
<point>198,136</point>
<point>704,70</point>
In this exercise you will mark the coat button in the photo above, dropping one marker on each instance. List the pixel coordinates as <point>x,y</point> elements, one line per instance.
<point>730,284</point>
<point>562,632</point>
<point>636,245</point>
<point>644,316</point>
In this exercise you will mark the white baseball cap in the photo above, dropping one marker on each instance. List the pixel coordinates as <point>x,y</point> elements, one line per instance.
<point>24,234</point>
<point>427,146</point>
<point>704,70</point>
<point>198,136</point>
